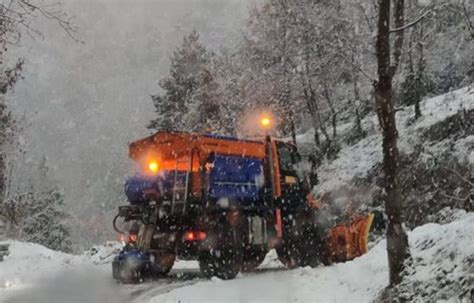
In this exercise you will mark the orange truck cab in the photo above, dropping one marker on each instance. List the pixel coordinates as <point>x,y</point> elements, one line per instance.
<point>224,202</point>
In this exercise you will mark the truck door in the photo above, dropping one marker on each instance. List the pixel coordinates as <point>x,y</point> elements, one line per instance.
<point>291,191</point>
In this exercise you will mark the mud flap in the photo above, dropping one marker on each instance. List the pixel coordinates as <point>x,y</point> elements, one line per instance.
<point>349,240</point>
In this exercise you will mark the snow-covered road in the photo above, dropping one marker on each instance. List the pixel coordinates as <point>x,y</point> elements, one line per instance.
<point>441,253</point>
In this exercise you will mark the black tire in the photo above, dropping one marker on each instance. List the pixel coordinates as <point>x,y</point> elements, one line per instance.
<point>162,264</point>
<point>126,274</point>
<point>252,258</point>
<point>225,258</point>
<point>313,249</point>
<point>289,250</point>
<point>289,253</point>
<point>308,248</point>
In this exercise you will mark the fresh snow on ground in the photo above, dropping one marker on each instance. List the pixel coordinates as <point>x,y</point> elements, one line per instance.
<point>33,273</point>
<point>356,160</point>
<point>442,255</point>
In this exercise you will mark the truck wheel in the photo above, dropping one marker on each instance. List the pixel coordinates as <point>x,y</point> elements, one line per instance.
<point>126,274</point>
<point>225,259</point>
<point>162,264</point>
<point>252,258</point>
<point>289,253</point>
<point>312,247</point>
<point>307,249</point>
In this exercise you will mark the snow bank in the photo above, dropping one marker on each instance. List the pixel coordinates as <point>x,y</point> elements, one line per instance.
<point>442,254</point>
<point>356,160</point>
<point>33,273</point>
<point>443,258</point>
<point>28,263</point>
<point>103,254</point>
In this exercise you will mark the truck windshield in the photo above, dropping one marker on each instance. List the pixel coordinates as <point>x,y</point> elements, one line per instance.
<point>288,159</point>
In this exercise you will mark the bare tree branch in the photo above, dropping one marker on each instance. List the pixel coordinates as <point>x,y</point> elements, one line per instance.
<point>468,19</point>
<point>460,176</point>
<point>17,17</point>
<point>402,27</point>
<point>399,14</point>
<point>58,16</point>
<point>410,24</point>
<point>453,197</point>
<point>356,66</point>
<point>420,41</point>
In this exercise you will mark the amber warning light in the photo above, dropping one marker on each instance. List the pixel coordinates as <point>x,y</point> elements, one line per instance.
<point>153,166</point>
<point>265,122</point>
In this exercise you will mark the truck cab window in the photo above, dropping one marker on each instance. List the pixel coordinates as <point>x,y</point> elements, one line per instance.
<point>287,161</point>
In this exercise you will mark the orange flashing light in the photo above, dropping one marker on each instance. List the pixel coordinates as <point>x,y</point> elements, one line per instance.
<point>153,166</point>
<point>265,122</point>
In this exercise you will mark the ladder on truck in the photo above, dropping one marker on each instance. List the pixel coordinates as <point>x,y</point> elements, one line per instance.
<point>180,191</point>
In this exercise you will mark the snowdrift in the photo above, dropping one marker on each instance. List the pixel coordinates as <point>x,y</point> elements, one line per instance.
<point>33,273</point>
<point>356,160</point>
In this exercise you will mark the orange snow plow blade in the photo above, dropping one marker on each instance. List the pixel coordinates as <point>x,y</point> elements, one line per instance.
<point>348,241</point>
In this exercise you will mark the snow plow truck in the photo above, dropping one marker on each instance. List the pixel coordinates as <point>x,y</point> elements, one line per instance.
<point>224,202</point>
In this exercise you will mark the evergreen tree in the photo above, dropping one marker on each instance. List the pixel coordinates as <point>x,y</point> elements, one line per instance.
<point>36,213</point>
<point>189,100</point>
<point>46,221</point>
<point>8,129</point>
<point>15,17</point>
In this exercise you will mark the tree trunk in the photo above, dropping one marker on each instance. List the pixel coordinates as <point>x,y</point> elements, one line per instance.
<point>357,100</point>
<point>292,128</point>
<point>334,126</point>
<point>397,240</point>
<point>419,77</point>
<point>313,110</point>
<point>327,95</point>
<point>312,97</point>
<point>417,109</point>
<point>2,178</point>
<point>358,121</point>
<point>316,137</point>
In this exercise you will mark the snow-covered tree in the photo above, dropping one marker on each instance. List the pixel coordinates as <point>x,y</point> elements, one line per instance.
<point>15,18</point>
<point>269,56</point>
<point>296,55</point>
<point>36,211</point>
<point>6,141</point>
<point>428,66</point>
<point>8,127</point>
<point>188,101</point>
<point>46,221</point>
